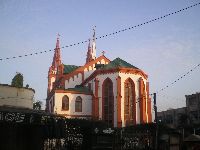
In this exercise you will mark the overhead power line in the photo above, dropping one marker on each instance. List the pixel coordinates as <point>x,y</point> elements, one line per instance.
<point>106,35</point>
<point>175,81</point>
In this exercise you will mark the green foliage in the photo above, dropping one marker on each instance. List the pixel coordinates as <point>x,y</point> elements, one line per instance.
<point>17,81</point>
<point>37,105</point>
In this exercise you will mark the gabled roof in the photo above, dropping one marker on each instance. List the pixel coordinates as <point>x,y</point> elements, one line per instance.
<point>117,65</point>
<point>78,89</point>
<point>118,62</point>
<point>69,68</point>
<point>93,62</point>
<point>81,89</point>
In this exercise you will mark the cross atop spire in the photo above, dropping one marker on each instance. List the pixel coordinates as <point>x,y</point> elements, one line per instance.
<point>58,41</point>
<point>103,52</point>
<point>94,29</point>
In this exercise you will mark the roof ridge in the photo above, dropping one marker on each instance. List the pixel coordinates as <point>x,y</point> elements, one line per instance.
<point>70,68</point>
<point>71,65</point>
<point>118,62</point>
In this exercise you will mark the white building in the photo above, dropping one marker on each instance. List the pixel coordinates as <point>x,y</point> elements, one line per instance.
<point>16,97</point>
<point>114,91</point>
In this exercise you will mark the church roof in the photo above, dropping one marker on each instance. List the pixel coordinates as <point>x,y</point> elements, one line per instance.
<point>69,68</point>
<point>82,89</point>
<point>118,62</point>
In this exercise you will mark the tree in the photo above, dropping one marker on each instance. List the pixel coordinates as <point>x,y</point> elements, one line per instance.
<point>17,81</point>
<point>37,105</point>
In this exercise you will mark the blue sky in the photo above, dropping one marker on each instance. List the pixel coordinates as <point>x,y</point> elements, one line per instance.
<point>165,49</point>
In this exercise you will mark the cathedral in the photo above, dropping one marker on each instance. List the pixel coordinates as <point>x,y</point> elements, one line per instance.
<point>113,91</point>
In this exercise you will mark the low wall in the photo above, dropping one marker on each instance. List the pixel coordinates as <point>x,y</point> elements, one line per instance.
<point>17,97</point>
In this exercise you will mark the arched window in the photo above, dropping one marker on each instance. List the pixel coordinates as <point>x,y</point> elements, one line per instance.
<point>108,102</point>
<point>78,104</point>
<point>129,103</point>
<point>142,95</point>
<point>65,103</point>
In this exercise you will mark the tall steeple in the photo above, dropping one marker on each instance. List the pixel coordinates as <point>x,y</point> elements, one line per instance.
<point>91,53</point>
<point>56,58</point>
<point>94,44</point>
<point>55,67</point>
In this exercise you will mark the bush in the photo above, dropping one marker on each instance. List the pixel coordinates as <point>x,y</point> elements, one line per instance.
<point>17,81</point>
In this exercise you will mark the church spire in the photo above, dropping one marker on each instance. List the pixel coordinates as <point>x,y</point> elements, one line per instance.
<point>91,53</point>
<point>94,44</point>
<point>56,58</point>
<point>58,41</point>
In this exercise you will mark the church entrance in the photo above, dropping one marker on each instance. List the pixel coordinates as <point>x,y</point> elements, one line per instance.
<point>108,102</point>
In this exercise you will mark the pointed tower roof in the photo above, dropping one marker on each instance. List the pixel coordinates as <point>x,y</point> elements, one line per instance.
<point>89,53</point>
<point>58,41</point>
<point>94,44</point>
<point>56,58</point>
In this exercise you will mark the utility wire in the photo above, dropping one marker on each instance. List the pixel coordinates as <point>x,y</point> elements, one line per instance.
<point>167,86</point>
<point>170,98</point>
<point>106,35</point>
<point>167,99</point>
<point>175,81</point>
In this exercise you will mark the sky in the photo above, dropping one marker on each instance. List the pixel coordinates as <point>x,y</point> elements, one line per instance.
<point>165,49</point>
